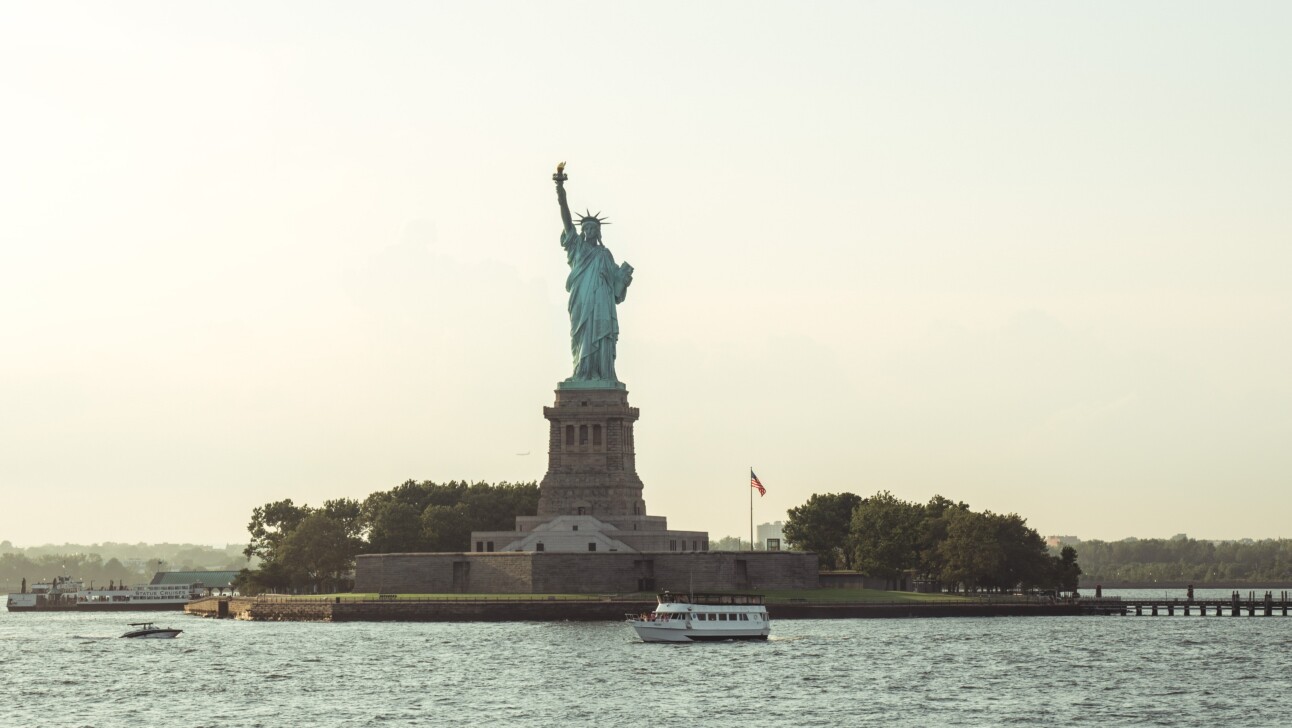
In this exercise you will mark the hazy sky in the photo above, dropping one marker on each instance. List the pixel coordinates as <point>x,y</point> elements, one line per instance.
<point>1032,256</point>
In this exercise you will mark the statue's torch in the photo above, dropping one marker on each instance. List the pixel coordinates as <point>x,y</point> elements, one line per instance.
<point>560,175</point>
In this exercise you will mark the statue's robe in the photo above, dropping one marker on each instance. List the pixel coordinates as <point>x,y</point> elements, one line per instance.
<point>595,285</point>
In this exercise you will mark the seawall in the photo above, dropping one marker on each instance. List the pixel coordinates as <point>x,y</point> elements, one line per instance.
<point>568,610</point>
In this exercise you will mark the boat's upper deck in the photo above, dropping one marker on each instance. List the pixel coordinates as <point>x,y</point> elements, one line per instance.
<point>724,600</point>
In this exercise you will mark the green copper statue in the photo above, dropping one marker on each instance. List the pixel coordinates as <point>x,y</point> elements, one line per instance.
<point>595,285</point>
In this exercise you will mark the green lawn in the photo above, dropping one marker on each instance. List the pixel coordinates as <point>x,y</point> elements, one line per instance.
<point>854,596</point>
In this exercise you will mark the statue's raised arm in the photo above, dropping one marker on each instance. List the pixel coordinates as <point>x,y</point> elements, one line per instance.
<point>559,178</point>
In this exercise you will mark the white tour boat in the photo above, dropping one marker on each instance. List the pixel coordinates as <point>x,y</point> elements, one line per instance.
<point>150,631</point>
<point>703,617</point>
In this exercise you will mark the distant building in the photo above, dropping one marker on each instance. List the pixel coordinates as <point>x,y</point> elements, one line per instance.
<point>773,530</point>
<point>1055,542</point>
<point>218,580</point>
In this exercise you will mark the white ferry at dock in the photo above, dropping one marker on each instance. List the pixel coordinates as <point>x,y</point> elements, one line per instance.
<point>703,618</point>
<point>68,595</point>
<point>168,591</point>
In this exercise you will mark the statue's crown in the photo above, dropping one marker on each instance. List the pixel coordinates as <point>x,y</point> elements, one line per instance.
<point>589,217</point>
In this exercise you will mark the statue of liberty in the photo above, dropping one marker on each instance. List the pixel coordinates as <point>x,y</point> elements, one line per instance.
<point>595,285</point>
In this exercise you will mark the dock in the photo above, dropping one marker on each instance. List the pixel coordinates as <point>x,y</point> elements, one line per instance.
<point>1251,605</point>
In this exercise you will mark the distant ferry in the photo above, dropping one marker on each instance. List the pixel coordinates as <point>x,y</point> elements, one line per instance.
<point>66,594</point>
<point>703,617</point>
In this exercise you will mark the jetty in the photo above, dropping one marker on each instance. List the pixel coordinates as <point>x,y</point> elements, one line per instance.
<point>1251,605</point>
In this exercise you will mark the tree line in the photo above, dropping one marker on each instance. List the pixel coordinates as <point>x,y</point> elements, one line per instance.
<point>303,548</point>
<point>939,541</point>
<point>110,563</point>
<point>1185,560</point>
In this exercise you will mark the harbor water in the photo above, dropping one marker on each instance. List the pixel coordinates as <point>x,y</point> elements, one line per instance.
<point>67,669</point>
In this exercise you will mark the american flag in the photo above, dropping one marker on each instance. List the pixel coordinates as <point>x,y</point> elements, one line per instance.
<point>756,484</point>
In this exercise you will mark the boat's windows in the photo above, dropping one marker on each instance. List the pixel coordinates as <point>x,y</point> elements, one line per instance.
<point>722,617</point>
<point>744,617</point>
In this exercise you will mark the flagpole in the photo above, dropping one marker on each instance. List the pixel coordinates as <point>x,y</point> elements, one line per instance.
<point>751,511</point>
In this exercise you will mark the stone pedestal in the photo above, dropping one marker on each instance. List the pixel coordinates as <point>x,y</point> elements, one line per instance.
<point>591,461</point>
<point>591,498</point>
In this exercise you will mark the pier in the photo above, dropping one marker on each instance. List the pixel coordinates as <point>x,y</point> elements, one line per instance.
<point>1251,605</point>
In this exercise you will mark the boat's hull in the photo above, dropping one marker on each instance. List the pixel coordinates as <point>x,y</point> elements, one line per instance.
<point>105,607</point>
<point>654,632</point>
<point>153,634</point>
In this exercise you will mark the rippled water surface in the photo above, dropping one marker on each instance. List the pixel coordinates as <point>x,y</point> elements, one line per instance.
<point>71,670</point>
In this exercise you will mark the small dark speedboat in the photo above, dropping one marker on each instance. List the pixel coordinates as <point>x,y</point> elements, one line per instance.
<point>150,631</point>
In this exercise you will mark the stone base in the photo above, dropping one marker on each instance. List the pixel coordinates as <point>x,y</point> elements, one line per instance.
<point>584,573</point>
<point>591,384</point>
<point>587,534</point>
<point>591,460</point>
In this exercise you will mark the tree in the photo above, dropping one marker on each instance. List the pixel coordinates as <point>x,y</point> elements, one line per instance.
<point>969,554</point>
<point>349,513</point>
<point>822,525</point>
<point>933,531</point>
<point>446,528</point>
<point>272,576</point>
<point>885,535</point>
<point>731,543</point>
<point>1026,564</point>
<point>115,571</point>
<point>1067,573</point>
<point>495,507</point>
<point>270,524</point>
<point>318,552</point>
<point>991,551</point>
<point>302,546</point>
<point>396,527</point>
<point>734,543</point>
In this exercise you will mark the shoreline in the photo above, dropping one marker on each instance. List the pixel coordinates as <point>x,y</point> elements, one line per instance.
<point>592,610</point>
